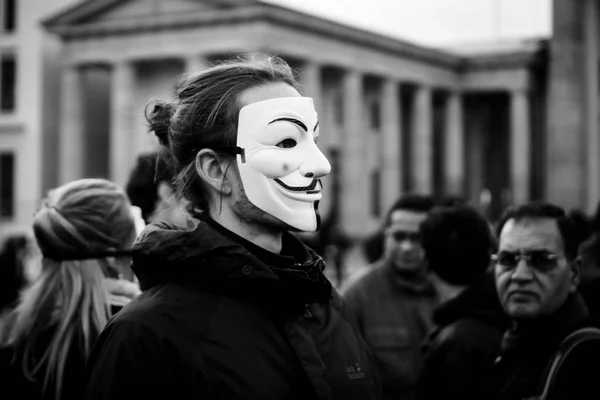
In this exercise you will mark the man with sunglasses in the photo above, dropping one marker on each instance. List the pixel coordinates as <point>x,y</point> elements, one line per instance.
<point>394,300</point>
<point>537,274</point>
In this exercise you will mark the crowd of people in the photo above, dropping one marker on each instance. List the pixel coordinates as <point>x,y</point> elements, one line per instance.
<point>458,307</point>
<point>193,282</point>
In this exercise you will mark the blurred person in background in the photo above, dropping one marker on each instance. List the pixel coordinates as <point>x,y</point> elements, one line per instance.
<point>150,187</point>
<point>470,321</point>
<point>393,300</point>
<point>14,253</point>
<point>84,231</point>
<point>373,245</point>
<point>235,306</point>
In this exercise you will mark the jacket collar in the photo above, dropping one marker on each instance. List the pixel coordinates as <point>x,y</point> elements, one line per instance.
<point>543,335</point>
<point>206,255</point>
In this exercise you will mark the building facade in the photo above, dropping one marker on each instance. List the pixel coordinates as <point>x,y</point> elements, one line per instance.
<point>395,117</point>
<point>573,141</point>
<point>29,71</point>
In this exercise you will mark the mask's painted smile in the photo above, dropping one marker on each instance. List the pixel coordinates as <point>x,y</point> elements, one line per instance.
<point>309,189</point>
<point>309,193</point>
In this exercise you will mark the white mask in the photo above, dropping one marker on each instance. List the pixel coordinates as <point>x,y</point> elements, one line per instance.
<point>280,162</point>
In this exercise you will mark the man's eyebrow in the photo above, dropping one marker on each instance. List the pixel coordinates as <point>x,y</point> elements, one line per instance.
<point>316,126</point>
<point>292,120</point>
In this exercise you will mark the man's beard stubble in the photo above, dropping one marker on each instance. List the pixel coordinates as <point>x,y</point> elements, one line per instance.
<point>249,213</point>
<point>246,211</point>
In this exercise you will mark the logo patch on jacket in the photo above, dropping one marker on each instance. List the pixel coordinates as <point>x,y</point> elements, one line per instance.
<point>355,371</point>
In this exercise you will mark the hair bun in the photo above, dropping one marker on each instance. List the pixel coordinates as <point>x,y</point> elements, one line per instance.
<point>159,113</point>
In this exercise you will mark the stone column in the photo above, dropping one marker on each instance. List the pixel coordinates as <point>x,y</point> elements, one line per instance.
<point>520,146</point>
<point>454,145</point>
<point>591,103</point>
<point>310,78</point>
<point>355,175</point>
<point>72,127</point>
<point>566,147</point>
<point>122,132</point>
<point>391,132</point>
<point>195,63</point>
<point>422,142</point>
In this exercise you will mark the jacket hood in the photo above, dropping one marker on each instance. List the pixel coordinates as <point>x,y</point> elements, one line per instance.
<point>202,255</point>
<point>164,251</point>
<point>478,301</point>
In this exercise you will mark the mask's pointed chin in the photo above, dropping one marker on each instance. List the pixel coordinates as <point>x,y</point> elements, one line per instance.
<point>304,222</point>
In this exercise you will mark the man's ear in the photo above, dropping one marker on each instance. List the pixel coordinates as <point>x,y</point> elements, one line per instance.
<point>576,268</point>
<point>212,170</point>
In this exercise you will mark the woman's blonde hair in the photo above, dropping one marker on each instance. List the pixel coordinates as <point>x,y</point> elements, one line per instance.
<point>68,304</point>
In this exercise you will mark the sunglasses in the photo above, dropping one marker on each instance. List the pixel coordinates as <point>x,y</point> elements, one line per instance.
<point>540,260</point>
<point>401,236</point>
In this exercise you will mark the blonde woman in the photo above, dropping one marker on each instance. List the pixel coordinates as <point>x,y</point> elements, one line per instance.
<point>85,232</point>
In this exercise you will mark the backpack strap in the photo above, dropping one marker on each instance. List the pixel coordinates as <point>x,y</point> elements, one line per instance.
<point>564,349</point>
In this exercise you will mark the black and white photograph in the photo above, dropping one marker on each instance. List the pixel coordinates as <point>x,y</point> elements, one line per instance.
<point>300,199</point>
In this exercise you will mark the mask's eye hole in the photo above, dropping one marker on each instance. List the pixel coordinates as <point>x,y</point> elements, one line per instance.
<point>287,143</point>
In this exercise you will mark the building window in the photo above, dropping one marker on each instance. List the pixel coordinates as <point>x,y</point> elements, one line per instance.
<point>7,185</point>
<point>375,115</point>
<point>8,76</point>
<point>338,108</point>
<point>376,193</point>
<point>9,15</point>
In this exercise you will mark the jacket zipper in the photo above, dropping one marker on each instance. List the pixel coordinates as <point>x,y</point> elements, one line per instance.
<point>308,315</point>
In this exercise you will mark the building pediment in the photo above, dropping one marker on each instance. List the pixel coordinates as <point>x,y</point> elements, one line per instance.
<point>137,9</point>
<point>100,11</point>
<point>98,18</point>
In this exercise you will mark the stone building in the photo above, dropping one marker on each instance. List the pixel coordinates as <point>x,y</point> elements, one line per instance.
<point>29,73</point>
<point>572,141</point>
<point>484,122</point>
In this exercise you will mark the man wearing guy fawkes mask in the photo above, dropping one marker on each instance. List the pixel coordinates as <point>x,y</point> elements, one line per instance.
<point>239,298</point>
<point>279,161</point>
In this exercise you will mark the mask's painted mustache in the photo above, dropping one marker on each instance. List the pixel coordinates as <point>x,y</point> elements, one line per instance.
<point>312,186</point>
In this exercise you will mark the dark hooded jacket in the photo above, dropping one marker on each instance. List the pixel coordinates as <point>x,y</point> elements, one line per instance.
<point>463,346</point>
<point>221,318</point>
<point>527,350</point>
<point>589,287</point>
